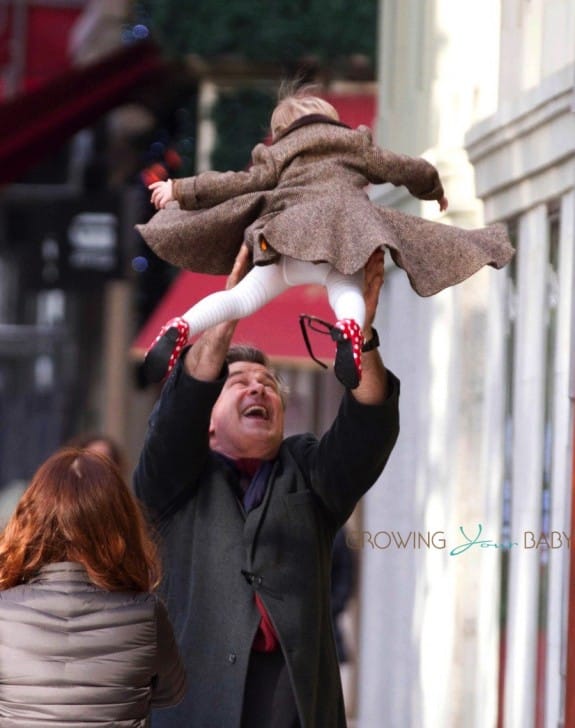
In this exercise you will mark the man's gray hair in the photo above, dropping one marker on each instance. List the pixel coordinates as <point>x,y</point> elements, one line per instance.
<point>252,355</point>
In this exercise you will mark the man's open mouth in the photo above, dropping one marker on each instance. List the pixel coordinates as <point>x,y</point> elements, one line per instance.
<point>256,412</point>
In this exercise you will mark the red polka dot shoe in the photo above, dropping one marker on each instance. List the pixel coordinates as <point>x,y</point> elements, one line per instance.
<point>162,355</point>
<point>349,339</point>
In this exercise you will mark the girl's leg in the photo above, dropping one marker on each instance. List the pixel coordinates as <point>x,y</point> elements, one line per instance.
<point>346,298</point>
<point>345,295</point>
<point>260,285</point>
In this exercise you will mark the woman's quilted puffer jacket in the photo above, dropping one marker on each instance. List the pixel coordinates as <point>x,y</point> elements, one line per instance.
<point>72,654</point>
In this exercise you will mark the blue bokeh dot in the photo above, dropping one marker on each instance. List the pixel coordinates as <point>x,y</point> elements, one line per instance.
<point>140,264</point>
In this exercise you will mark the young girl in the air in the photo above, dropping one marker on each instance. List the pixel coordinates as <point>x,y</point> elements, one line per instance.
<point>303,210</point>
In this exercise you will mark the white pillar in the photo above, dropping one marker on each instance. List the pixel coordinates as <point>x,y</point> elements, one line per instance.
<point>407,599</point>
<point>485,681</point>
<point>418,647</point>
<point>206,133</point>
<point>528,418</point>
<point>561,471</point>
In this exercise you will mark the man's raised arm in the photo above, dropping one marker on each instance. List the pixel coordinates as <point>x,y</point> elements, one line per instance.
<point>373,387</point>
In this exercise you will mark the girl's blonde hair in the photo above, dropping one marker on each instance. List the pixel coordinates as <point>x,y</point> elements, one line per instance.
<point>297,104</point>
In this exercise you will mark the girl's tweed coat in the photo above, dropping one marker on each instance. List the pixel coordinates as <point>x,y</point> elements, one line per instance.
<point>304,196</point>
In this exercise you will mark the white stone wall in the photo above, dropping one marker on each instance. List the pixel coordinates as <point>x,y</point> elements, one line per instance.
<point>537,40</point>
<point>428,646</point>
<point>485,91</point>
<point>524,159</point>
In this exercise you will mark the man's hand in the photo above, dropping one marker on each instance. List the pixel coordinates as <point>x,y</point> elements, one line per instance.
<point>206,357</point>
<point>373,281</point>
<point>373,386</point>
<point>240,267</point>
<point>162,193</point>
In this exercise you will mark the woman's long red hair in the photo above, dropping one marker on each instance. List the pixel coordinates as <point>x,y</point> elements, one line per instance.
<point>78,508</point>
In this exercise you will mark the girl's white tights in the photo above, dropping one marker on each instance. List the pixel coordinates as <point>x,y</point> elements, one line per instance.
<point>265,282</point>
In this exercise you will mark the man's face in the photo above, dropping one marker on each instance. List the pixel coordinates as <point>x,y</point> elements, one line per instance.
<point>248,416</point>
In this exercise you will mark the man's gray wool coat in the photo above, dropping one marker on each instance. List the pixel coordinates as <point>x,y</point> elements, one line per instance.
<point>304,196</point>
<point>216,556</point>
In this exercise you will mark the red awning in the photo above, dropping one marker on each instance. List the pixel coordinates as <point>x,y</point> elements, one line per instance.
<point>274,329</point>
<point>48,29</point>
<point>354,109</point>
<point>33,124</point>
<point>44,50</point>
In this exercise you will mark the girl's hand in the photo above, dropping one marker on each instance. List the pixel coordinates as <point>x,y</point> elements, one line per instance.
<point>162,193</point>
<point>443,203</point>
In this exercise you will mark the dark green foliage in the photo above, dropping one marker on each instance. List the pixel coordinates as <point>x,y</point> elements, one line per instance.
<point>266,31</point>
<point>297,38</point>
<point>242,120</point>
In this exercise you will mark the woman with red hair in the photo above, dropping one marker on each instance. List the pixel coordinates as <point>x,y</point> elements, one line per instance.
<point>83,641</point>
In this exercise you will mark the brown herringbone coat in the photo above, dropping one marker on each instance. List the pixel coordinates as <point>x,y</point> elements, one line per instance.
<point>304,196</point>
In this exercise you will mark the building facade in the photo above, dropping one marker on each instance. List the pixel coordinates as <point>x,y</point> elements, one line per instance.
<point>465,546</point>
